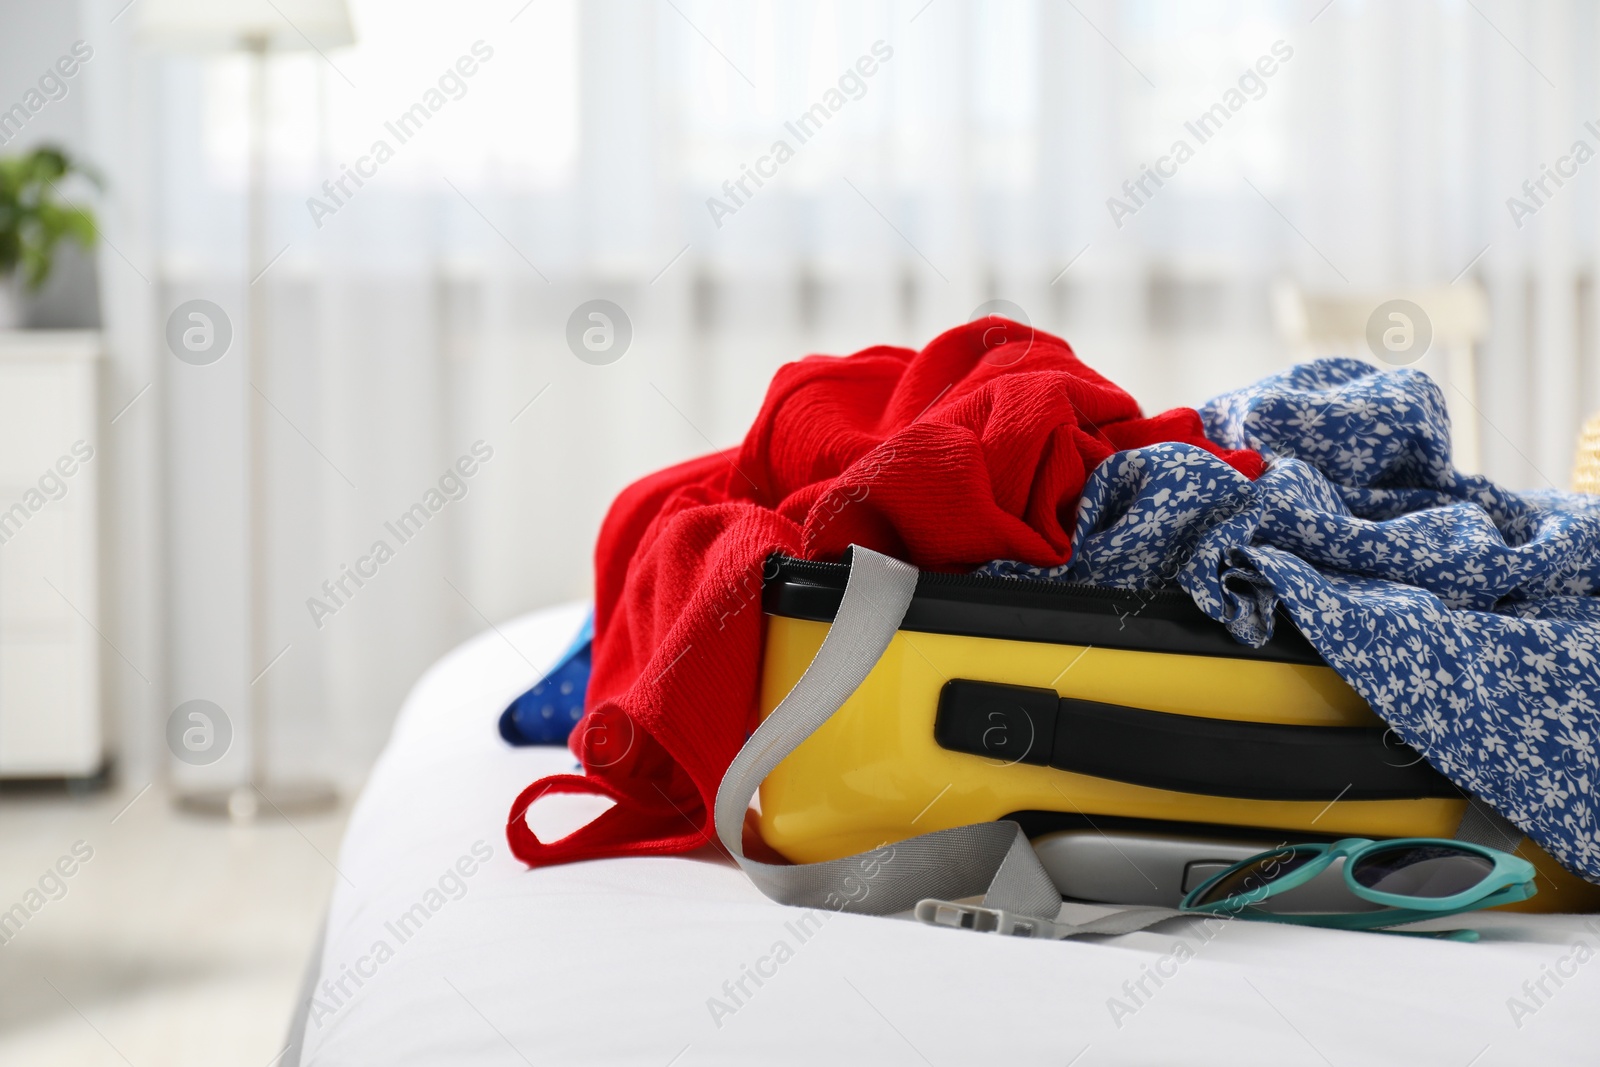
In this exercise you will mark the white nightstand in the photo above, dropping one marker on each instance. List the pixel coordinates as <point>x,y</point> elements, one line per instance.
<point>50,715</point>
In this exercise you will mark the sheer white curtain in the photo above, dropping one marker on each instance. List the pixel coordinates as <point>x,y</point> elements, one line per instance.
<point>975,161</point>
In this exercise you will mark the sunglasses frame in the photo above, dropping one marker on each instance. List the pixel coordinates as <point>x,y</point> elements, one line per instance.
<point>1508,881</point>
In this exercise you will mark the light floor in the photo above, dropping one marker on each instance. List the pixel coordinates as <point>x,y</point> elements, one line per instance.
<point>180,941</point>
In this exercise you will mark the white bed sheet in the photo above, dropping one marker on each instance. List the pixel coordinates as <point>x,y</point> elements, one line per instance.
<point>618,961</point>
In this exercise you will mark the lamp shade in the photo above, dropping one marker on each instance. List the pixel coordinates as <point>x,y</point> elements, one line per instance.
<point>228,25</point>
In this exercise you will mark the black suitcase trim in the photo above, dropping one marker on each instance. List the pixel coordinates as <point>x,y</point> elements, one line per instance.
<point>1016,609</point>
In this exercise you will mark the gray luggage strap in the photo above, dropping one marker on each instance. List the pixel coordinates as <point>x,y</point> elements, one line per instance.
<point>1482,825</point>
<point>927,873</point>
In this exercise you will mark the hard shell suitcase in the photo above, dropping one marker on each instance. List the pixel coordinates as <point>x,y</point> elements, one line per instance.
<point>1109,723</point>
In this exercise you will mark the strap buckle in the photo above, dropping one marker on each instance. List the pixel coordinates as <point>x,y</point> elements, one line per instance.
<point>982,920</point>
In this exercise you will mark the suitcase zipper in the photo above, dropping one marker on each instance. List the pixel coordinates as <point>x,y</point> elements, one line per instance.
<point>834,574</point>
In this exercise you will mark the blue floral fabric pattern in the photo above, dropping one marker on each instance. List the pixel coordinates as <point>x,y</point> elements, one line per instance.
<point>1465,614</point>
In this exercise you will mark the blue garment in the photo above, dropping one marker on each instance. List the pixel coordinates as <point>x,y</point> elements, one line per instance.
<point>546,714</point>
<point>1464,614</point>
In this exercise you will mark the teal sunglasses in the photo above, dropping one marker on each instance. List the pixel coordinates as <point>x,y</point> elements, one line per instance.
<point>1393,882</point>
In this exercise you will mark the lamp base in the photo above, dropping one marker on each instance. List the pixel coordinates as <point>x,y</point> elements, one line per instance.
<point>253,800</point>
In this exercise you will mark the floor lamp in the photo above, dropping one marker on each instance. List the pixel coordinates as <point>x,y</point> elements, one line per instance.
<point>257,28</point>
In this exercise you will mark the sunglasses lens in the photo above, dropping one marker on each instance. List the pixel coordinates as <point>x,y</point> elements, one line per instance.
<point>1254,875</point>
<point>1431,871</point>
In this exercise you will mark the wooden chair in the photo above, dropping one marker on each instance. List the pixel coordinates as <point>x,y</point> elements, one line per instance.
<point>1586,468</point>
<point>1329,324</point>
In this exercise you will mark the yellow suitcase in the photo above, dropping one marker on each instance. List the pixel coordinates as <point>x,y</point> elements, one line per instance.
<point>1076,707</point>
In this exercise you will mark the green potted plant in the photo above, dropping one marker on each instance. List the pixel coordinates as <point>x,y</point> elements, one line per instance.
<point>34,219</point>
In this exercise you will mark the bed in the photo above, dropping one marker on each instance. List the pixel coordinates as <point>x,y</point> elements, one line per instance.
<point>440,948</point>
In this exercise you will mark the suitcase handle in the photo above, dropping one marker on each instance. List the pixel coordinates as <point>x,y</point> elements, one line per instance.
<point>1182,753</point>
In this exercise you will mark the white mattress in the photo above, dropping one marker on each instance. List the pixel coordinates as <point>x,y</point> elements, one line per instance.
<point>617,961</point>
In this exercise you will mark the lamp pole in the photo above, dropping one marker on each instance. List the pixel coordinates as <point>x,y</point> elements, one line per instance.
<point>255,46</point>
<point>243,802</point>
